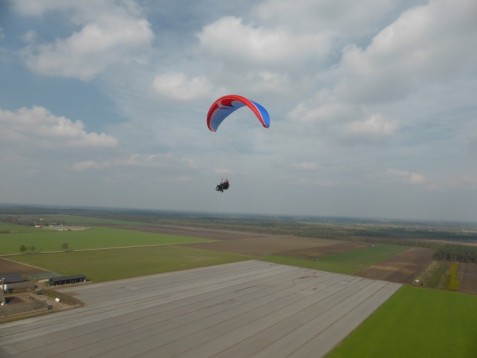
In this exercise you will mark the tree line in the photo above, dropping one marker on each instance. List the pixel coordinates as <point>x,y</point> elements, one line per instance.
<point>458,253</point>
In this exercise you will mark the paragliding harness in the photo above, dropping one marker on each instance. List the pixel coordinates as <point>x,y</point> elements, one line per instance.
<point>224,185</point>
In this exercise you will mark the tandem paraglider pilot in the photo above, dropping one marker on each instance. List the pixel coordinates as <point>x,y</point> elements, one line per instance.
<point>222,107</point>
<point>223,185</point>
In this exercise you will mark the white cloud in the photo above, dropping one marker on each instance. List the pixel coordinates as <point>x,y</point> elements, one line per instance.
<point>434,43</point>
<point>325,15</point>
<point>407,176</point>
<point>37,126</point>
<point>306,166</point>
<point>176,86</point>
<point>324,108</point>
<point>223,171</point>
<point>133,160</point>
<point>375,128</point>
<point>465,181</point>
<point>115,35</point>
<point>29,36</point>
<point>230,40</point>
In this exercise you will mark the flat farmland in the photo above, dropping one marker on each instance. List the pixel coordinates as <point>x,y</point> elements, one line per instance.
<point>45,240</point>
<point>349,261</point>
<point>151,314</point>
<point>113,264</point>
<point>191,231</point>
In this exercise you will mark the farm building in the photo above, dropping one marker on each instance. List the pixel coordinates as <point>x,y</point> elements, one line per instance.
<point>11,277</point>
<point>66,280</point>
<point>14,282</point>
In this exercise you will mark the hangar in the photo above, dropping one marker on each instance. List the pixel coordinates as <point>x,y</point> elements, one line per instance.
<point>248,308</point>
<point>14,282</point>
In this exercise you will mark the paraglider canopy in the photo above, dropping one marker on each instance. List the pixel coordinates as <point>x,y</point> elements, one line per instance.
<point>224,106</point>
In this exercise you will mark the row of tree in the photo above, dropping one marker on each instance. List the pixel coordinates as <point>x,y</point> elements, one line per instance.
<point>32,248</point>
<point>458,253</point>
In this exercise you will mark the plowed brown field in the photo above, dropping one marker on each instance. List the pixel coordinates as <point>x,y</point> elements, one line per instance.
<point>266,245</point>
<point>7,266</point>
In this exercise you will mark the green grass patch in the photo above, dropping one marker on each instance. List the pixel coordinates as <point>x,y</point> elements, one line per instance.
<point>416,322</point>
<point>347,262</point>
<point>114,264</point>
<point>45,240</point>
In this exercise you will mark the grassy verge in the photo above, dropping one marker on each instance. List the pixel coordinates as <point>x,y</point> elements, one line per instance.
<point>416,322</point>
<point>114,264</point>
<point>347,262</point>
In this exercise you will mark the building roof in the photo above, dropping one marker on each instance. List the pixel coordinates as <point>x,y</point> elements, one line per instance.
<point>11,277</point>
<point>67,278</point>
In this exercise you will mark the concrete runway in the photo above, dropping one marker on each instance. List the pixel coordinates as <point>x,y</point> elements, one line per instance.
<point>244,309</point>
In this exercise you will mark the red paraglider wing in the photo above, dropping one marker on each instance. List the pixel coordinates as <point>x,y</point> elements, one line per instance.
<point>224,106</point>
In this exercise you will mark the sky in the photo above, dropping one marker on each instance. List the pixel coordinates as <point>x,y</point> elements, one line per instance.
<point>373,106</point>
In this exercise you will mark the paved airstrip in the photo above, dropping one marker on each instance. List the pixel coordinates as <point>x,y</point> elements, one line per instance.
<point>243,309</point>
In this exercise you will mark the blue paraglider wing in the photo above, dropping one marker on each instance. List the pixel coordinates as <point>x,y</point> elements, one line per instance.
<point>224,106</point>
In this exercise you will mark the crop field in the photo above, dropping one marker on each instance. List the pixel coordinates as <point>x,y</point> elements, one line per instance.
<point>44,240</point>
<point>113,264</point>
<point>417,322</point>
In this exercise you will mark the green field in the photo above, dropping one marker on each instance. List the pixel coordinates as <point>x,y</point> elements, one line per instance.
<point>45,240</point>
<point>347,262</point>
<point>417,322</point>
<point>113,264</point>
<point>6,228</point>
